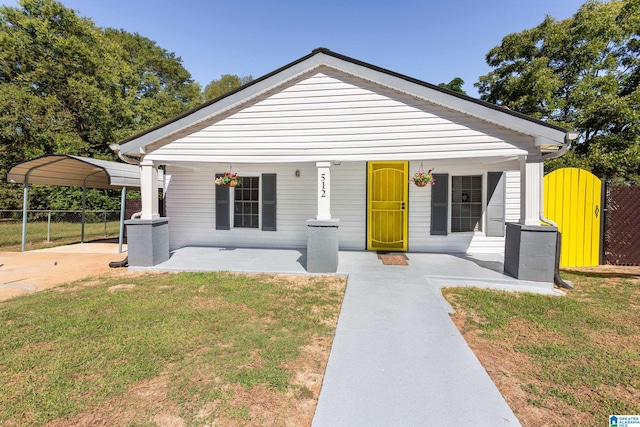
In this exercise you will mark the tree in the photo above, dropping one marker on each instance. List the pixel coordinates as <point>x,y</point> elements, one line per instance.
<point>225,84</point>
<point>70,87</point>
<point>454,85</point>
<point>581,73</point>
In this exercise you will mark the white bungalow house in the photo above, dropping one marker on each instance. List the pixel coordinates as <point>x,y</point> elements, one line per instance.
<point>328,137</point>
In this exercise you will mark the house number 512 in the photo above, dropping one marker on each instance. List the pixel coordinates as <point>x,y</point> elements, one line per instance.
<point>323,191</point>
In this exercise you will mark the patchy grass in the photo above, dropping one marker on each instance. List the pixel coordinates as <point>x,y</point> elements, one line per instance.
<point>559,361</point>
<point>169,349</point>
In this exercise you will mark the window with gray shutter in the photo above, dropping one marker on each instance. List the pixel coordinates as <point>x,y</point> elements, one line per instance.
<point>440,204</point>
<point>496,189</point>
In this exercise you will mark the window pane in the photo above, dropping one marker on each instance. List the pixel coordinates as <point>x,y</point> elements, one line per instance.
<point>466,203</point>
<point>246,206</point>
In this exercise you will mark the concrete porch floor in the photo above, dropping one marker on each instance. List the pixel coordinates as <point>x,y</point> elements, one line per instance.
<point>397,358</point>
<point>441,270</point>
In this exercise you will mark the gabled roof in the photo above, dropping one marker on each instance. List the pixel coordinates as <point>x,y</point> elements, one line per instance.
<point>74,171</point>
<point>547,135</point>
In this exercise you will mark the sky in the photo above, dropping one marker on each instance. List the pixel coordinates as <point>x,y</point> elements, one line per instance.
<point>430,40</point>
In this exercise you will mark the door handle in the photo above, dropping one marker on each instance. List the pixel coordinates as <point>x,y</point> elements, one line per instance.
<point>597,211</point>
<point>402,205</point>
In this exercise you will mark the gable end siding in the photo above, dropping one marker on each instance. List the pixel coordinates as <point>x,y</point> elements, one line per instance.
<point>332,115</point>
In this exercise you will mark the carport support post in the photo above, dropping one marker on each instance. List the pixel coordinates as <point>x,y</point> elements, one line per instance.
<point>25,208</point>
<point>84,205</point>
<point>123,205</point>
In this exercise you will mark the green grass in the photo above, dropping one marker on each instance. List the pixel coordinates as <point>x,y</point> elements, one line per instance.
<point>584,348</point>
<point>63,353</point>
<point>61,233</point>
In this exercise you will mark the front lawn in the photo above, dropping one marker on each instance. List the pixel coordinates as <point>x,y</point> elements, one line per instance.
<point>560,361</point>
<point>168,349</point>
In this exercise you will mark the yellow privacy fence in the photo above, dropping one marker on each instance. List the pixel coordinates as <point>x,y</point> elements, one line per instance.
<point>572,199</point>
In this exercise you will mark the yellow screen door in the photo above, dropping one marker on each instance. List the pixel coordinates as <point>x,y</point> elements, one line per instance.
<point>572,200</point>
<point>388,192</point>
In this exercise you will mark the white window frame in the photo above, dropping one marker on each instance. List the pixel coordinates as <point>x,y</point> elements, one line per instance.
<point>483,189</point>
<point>232,197</point>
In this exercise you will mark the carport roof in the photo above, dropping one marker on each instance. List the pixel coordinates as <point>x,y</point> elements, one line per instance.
<point>74,171</point>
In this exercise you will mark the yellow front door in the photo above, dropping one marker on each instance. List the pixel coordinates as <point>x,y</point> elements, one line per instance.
<point>387,210</point>
<point>572,200</point>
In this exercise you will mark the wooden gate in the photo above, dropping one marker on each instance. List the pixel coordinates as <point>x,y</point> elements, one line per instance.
<point>572,199</point>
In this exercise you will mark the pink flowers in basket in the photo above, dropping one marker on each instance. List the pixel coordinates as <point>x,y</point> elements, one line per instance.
<point>421,178</point>
<point>229,179</point>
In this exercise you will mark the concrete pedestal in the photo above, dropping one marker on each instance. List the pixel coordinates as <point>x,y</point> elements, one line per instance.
<point>147,241</point>
<point>322,246</point>
<point>530,252</point>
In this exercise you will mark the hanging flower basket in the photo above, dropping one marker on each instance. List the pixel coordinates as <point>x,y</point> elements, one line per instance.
<point>422,179</point>
<point>229,179</point>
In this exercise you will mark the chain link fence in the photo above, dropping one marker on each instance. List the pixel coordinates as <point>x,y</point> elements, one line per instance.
<point>53,227</point>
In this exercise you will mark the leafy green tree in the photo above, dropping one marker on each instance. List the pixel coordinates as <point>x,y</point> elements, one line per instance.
<point>454,85</point>
<point>581,73</point>
<point>70,87</point>
<point>225,84</point>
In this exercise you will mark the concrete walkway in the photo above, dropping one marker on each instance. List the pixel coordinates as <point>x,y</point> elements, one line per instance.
<point>397,358</point>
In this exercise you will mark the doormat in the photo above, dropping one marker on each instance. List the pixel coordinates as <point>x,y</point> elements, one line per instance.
<point>393,259</point>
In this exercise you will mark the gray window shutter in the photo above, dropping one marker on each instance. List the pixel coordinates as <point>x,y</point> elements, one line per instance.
<point>223,206</point>
<point>440,204</point>
<point>496,188</point>
<point>269,202</point>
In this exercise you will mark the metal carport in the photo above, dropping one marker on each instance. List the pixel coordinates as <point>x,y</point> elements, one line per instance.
<point>74,171</point>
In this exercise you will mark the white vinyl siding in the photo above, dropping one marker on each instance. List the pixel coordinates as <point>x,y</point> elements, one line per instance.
<point>420,239</point>
<point>190,204</point>
<point>512,196</point>
<point>190,201</point>
<point>334,116</point>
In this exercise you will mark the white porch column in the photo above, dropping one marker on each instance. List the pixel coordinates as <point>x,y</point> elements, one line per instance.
<point>149,190</point>
<point>324,190</point>
<point>531,174</point>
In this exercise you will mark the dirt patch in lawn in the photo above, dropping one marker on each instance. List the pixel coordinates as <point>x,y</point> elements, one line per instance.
<point>26,272</point>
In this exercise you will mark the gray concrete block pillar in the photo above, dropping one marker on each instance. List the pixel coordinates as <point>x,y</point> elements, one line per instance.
<point>147,241</point>
<point>530,252</point>
<point>322,245</point>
